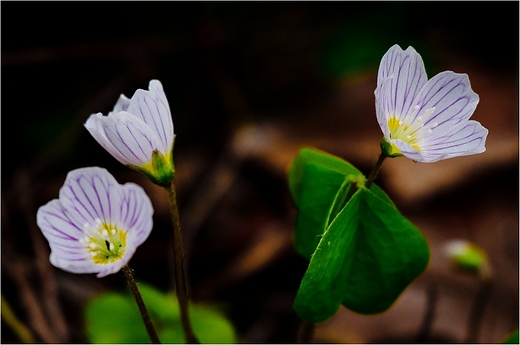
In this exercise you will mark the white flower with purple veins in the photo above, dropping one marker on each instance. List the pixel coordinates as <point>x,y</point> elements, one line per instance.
<point>425,120</point>
<point>139,133</point>
<point>96,224</point>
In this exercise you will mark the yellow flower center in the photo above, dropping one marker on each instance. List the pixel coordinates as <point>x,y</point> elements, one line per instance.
<point>405,132</point>
<point>105,242</point>
<point>410,132</point>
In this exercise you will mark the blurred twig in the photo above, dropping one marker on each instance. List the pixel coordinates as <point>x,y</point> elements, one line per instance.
<point>479,305</point>
<point>424,331</point>
<point>305,333</point>
<point>8,316</point>
<point>49,292</point>
<point>18,271</point>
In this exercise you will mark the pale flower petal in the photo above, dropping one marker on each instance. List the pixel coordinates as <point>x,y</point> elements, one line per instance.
<point>96,126</point>
<point>131,138</point>
<point>451,96</point>
<point>425,120</point>
<point>466,139</point>
<point>89,195</point>
<point>152,107</point>
<point>96,224</point>
<point>134,211</point>
<point>139,133</point>
<point>122,104</point>
<point>405,74</point>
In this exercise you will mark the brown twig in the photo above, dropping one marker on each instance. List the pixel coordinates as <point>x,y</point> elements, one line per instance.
<point>18,273</point>
<point>48,282</point>
<point>305,333</point>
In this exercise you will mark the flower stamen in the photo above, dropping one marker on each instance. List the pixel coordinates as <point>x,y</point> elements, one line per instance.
<point>106,243</point>
<point>408,133</point>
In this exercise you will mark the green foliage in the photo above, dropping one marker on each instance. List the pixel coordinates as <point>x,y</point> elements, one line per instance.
<point>322,195</point>
<point>363,252</point>
<point>114,318</point>
<point>512,338</point>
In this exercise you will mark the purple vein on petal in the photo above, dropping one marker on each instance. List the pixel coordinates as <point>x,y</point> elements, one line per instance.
<point>58,231</point>
<point>141,147</point>
<point>454,141</point>
<point>136,141</point>
<point>87,197</point>
<point>60,217</point>
<point>125,140</point>
<point>105,188</point>
<point>73,192</point>
<point>427,98</point>
<point>158,121</point>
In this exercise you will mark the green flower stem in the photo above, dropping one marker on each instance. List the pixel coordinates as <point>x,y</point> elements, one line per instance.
<point>180,281</point>
<point>140,303</point>
<point>375,170</point>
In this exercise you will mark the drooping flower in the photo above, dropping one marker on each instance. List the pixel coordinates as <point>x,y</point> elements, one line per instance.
<point>139,133</point>
<point>467,256</point>
<point>425,120</point>
<point>96,224</point>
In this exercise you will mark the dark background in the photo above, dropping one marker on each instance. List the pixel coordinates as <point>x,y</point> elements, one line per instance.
<point>248,84</point>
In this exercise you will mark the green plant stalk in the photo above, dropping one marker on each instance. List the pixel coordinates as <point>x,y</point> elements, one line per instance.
<point>180,280</point>
<point>375,170</point>
<point>140,303</point>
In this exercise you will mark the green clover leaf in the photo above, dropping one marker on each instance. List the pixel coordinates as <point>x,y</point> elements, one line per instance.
<point>363,252</point>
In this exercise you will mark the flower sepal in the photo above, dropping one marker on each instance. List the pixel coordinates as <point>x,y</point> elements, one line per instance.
<point>160,170</point>
<point>389,150</point>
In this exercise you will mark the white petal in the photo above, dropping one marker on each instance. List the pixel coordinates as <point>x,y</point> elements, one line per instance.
<point>130,138</point>
<point>152,107</point>
<point>96,124</point>
<point>408,151</point>
<point>114,267</point>
<point>90,195</point>
<point>466,139</point>
<point>64,235</point>
<point>450,96</point>
<point>405,72</point>
<point>135,213</point>
<point>57,225</point>
<point>383,107</point>
<point>122,104</point>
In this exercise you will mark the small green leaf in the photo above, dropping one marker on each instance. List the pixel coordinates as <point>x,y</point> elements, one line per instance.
<point>369,254</point>
<point>114,318</point>
<point>313,156</point>
<point>319,184</point>
<point>317,197</point>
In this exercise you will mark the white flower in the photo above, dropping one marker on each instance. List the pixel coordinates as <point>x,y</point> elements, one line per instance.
<point>425,120</point>
<point>96,224</point>
<point>139,132</point>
